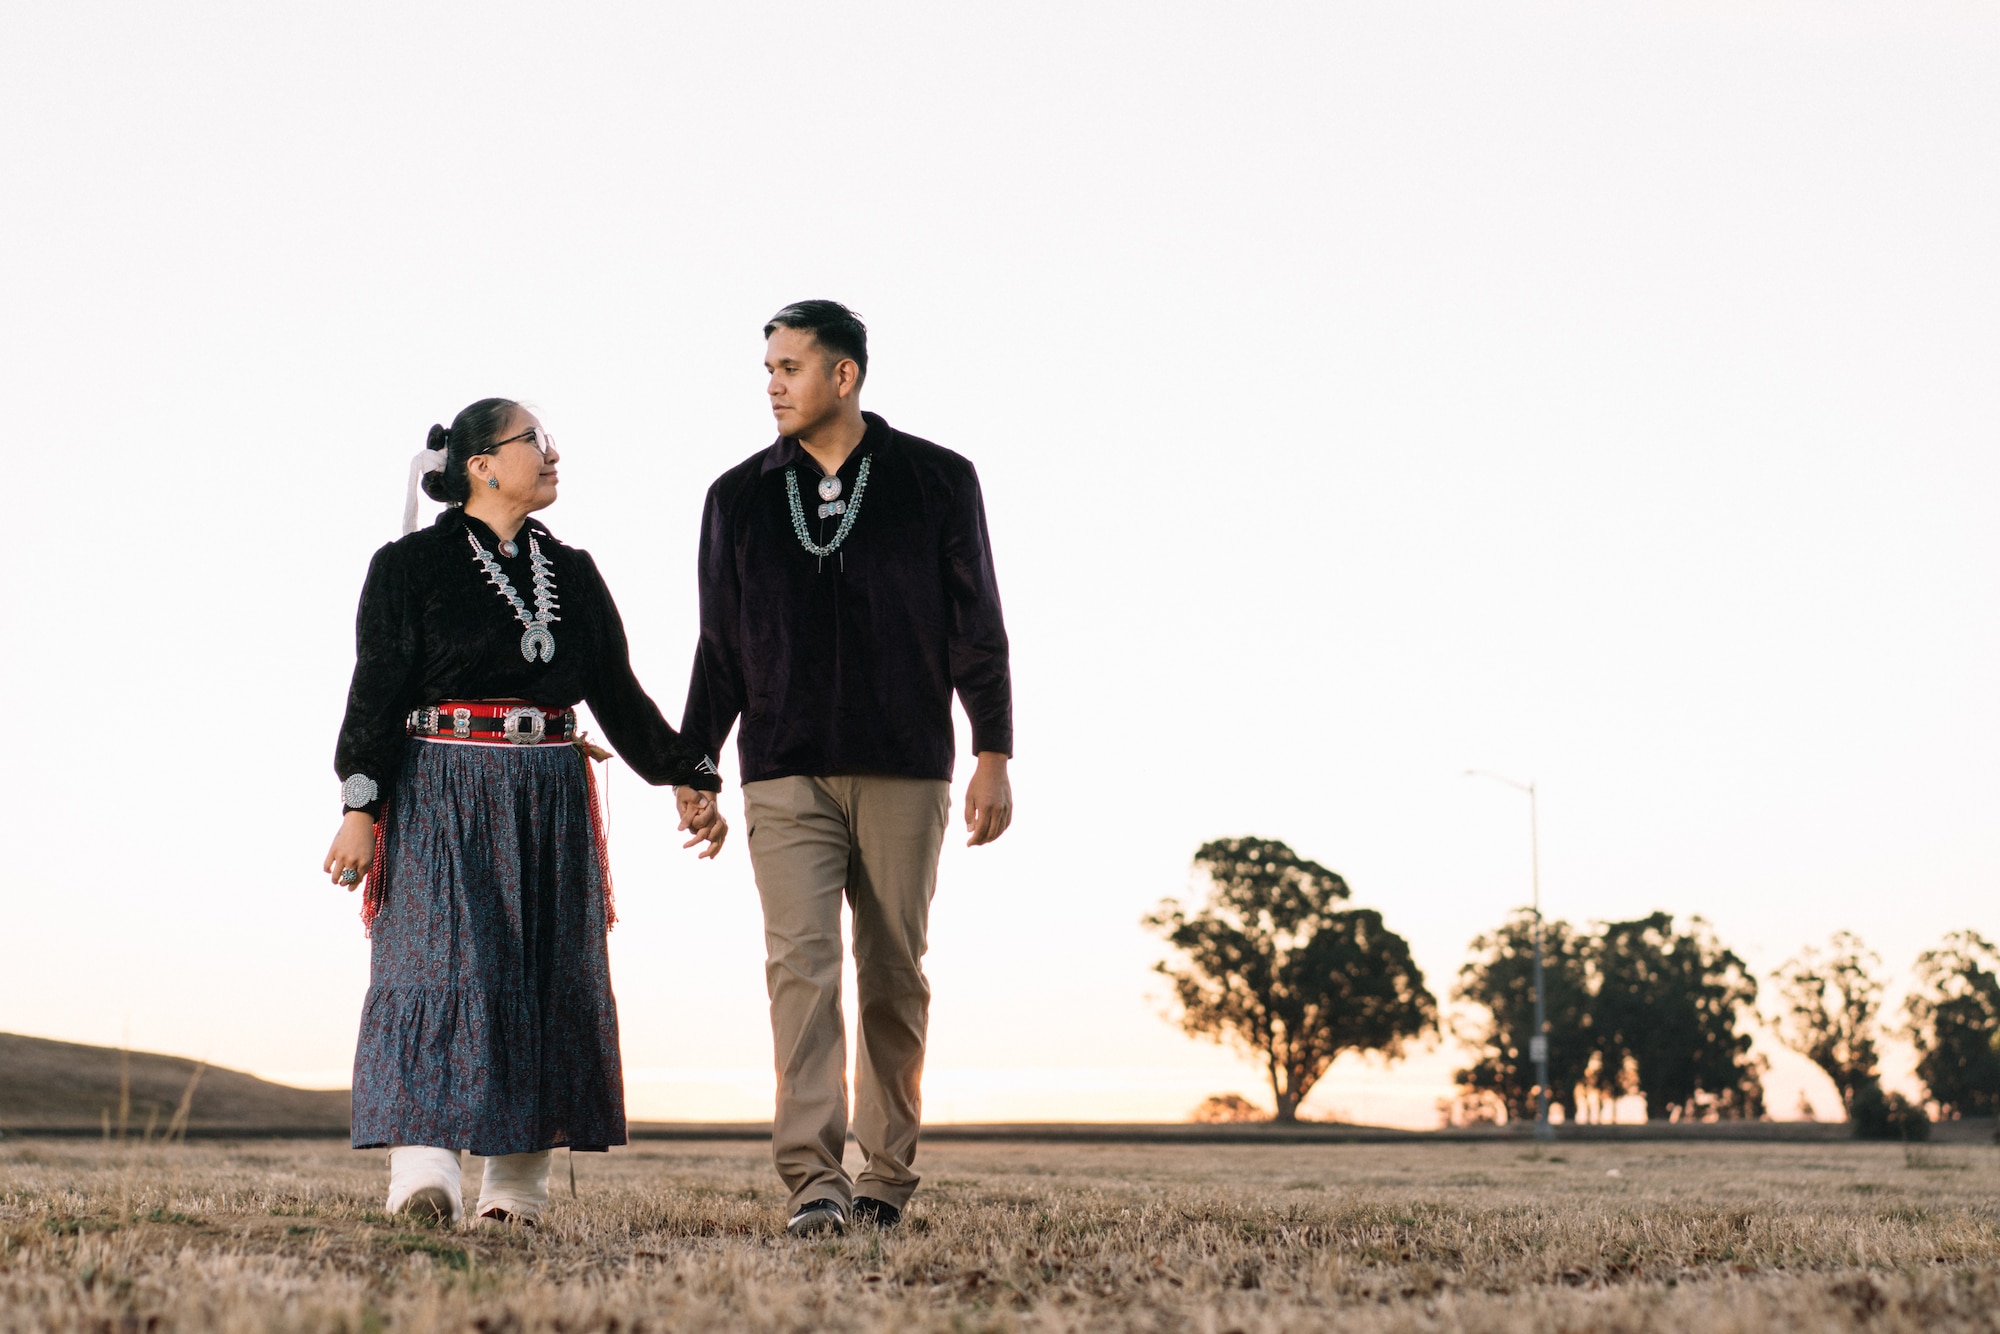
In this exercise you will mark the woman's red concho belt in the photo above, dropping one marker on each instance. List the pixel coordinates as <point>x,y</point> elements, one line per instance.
<point>494,723</point>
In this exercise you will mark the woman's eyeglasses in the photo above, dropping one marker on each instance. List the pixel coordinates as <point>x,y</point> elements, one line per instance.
<point>537,438</point>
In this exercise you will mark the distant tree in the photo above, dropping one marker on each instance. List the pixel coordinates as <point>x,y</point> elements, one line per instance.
<point>1954,1020</point>
<point>1831,999</point>
<point>1667,1010</point>
<point>1273,965</point>
<point>1224,1109</point>
<point>1501,980</point>
<point>1876,1114</point>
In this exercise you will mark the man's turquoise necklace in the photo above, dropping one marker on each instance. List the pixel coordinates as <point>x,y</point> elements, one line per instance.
<point>830,504</point>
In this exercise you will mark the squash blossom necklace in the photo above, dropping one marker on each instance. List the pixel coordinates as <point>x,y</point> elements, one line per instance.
<point>536,639</point>
<point>830,505</point>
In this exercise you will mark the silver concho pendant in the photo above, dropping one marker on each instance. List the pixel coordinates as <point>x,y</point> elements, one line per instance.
<point>536,638</point>
<point>829,488</point>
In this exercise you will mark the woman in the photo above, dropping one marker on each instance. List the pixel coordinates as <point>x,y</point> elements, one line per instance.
<point>469,808</point>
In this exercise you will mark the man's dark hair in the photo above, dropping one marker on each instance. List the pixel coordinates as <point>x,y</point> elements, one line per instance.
<point>838,329</point>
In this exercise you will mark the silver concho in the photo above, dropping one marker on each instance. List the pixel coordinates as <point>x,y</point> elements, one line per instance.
<point>461,723</point>
<point>829,488</point>
<point>537,638</point>
<point>524,726</point>
<point>849,510</point>
<point>358,791</point>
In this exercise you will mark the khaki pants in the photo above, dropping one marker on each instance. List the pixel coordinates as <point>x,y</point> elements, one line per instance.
<point>872,840</point>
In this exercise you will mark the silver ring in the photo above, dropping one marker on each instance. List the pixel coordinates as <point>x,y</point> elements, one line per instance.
<point>350,876</point>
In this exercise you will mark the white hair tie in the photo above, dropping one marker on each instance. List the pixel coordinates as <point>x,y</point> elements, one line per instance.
<point>427,460</point>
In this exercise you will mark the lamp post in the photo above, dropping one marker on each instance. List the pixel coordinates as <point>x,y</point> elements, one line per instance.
<point>1538,1044</point>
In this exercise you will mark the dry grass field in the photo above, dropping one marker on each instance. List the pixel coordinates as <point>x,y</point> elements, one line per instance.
<point>1495,1236</point>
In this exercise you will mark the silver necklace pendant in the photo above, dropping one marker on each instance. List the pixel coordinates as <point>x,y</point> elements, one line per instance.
<point>536,640</point>
<point>829,490</point>
<point>509,549</point>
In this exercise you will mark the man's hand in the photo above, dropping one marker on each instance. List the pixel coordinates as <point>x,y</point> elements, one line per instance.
<point>701,818</point>
<point>353,849</point>
<point>989,800</point>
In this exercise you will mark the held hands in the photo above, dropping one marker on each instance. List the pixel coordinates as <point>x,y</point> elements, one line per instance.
<point>989,800</point>
<point>701,818</point>
<point>353,849</point>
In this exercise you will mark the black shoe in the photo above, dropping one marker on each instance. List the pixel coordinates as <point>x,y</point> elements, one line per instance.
<point>876,1213</point>
<point>816,1216</point>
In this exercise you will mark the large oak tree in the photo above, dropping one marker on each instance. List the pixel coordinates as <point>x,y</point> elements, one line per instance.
<point>1271,962</point>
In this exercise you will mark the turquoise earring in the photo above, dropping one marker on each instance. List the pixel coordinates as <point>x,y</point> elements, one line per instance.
<point>493,482</point>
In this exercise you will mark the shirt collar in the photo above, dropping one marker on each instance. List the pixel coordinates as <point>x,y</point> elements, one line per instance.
<point>785,452</point>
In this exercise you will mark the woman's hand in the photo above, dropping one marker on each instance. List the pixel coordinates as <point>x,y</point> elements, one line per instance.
<point>701,818</point>
<point>353,849</point>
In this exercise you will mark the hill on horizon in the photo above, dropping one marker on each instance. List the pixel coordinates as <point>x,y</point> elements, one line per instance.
<point>58,1085</point>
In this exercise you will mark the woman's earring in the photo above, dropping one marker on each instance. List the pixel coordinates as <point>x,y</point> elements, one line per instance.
<point>493,482</point>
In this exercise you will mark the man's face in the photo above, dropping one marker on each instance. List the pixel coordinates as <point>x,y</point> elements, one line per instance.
<point>804,391</point>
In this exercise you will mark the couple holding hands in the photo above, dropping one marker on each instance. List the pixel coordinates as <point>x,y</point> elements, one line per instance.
<point>847,590</point>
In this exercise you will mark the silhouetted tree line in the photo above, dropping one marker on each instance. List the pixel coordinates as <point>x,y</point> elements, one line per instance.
<point>1274,963</point>
<point>1637,1007</point>
<point>1664,1012</point>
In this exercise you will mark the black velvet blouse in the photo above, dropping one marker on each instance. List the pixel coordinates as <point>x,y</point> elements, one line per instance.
<point>433,628</point>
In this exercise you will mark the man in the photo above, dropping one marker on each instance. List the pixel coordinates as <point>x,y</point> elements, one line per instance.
<point>847,590</point>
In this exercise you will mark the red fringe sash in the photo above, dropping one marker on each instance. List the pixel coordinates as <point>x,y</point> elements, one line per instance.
<point>375,890</point>
<point>597,836</point>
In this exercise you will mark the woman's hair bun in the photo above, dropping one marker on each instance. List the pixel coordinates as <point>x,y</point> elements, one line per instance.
<point>473,431</point>
<point>434,482</point>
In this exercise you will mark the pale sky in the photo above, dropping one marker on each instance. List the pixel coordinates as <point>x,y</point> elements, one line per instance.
<point>1604,395</point>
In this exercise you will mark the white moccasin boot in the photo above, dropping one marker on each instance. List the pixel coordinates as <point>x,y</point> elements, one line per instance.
<point>516,1187</point>
<point>425,1182</point>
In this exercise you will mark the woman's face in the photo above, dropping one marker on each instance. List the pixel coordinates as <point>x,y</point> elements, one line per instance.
<point>524,465</point>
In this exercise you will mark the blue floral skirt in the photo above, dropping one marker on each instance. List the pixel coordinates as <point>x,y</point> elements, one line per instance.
<point>489,1023</point>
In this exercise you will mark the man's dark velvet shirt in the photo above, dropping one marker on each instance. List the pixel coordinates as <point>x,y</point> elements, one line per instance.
<point>847,663</point>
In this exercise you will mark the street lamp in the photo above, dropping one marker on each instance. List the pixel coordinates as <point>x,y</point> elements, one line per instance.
<point>1538,1044</point>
